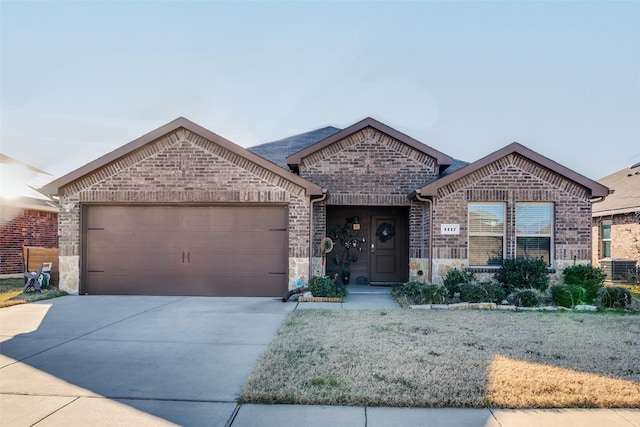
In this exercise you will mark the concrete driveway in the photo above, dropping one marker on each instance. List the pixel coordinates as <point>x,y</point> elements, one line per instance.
<point>116,360</point>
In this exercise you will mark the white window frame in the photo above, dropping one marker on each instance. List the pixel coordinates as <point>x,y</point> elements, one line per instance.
<point>471,233</point>
<point>540,234</point>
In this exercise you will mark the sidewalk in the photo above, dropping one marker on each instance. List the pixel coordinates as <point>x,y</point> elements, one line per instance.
<point>320,416</point>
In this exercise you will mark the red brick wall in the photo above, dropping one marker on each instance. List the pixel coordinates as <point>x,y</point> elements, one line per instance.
<point>514,179</point>
<point>28,228</point>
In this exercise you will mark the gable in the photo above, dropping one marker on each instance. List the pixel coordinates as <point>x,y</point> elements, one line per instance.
<point>523,159</point>
<point>307,155</point>
<point>368,162</point>
<point>181,156</point>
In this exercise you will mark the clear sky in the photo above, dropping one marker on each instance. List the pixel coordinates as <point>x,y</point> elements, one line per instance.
<point>80,79</point>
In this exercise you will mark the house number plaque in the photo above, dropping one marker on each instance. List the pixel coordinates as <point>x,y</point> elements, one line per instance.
<point>449,228</point>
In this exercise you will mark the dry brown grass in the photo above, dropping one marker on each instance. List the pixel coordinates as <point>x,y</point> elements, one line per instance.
<point>451,359</point>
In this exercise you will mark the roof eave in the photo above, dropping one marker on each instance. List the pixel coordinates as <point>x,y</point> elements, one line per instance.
<point>53,187</point>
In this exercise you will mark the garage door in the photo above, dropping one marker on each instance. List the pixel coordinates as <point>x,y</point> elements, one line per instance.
<point>185,250</point>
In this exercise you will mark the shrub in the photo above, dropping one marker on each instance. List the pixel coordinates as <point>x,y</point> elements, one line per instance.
<point>526,297</point>
<point>419,293</point>
<point>568,295</point>
<point>495,291</point>
<point>523,273</point>
<point>323,286</point>
<point>614,297</point>
<point>455,278</point>
<point>473,292</point>
<point>587,276</point>
<point>485,291</point>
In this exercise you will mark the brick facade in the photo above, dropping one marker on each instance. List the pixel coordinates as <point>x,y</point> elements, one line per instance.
<point>625,237</point>
<point>370,168</point>
<point>512,179</point>
<point>181,167</point>
<point>25,227</point>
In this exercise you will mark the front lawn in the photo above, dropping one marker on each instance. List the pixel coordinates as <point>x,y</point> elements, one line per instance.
<point>11,293</point>
<point>448,358</point>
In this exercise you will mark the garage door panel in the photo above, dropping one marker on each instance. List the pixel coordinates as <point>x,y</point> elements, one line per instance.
<point>162,250</point>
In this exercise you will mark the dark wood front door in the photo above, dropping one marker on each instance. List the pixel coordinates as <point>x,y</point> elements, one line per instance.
<point>388,260</point>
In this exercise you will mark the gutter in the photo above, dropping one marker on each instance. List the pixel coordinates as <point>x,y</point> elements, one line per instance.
<point>312,202</point>
<point>430,244</point>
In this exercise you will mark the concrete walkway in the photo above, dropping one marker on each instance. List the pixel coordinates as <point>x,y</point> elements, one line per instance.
<point>131,361</point>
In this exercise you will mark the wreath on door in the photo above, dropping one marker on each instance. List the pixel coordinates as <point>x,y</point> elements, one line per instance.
<point>385,231</point>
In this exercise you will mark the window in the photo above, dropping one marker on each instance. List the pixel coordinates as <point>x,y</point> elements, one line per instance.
<point>486,234</point>
<point>534,230</point>
<point>605,238</point>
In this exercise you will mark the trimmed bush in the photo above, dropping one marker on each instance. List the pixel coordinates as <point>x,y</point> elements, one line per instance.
<point>526,297</point>
<point>614,297</point>
<point>587,276</point>
<point>455,278</point>
<point>419,293</point>
<point>523,273</point>
<point>323,286</point>
<point>568,295</point>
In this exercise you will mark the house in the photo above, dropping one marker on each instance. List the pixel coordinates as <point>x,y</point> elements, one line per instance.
<point>616,224</point>
<point>27,217</point>
<point>183,211</point>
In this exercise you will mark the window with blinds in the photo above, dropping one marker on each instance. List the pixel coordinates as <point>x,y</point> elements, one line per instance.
<point>534,231</point>
<point>486,234</point>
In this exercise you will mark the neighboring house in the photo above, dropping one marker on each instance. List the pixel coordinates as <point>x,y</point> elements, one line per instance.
<point>183,211</point>
<point>616,224</point>
<point>27,217</point>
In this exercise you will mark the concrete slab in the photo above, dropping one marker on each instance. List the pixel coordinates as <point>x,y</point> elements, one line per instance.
<point>299,416</point>
<point>419,417</point>
<point>370,302</point>
<point>74,316</point>
<point>97,412</point>
<point>359,298</point>
<point>564,418</point>
<point>23,346</point>
<point>183,360</point>
<point>125,369</point>
<point>26,410</point>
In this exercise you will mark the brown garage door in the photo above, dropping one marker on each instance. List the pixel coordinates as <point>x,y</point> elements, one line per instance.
<point>185,250</point>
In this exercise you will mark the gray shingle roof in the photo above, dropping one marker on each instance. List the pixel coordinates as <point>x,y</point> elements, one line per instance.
<point>277,151</point>
<point>626,196</point>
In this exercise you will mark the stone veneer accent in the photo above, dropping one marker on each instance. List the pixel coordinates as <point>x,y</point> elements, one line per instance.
<point>512,179</point>
<point>181,167</point>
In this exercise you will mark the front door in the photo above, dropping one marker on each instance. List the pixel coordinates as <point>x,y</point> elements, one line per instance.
<point>388,258</point>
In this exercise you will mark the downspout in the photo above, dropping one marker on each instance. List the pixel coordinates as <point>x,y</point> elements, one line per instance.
<point>429,245</point>
<point>311,203</point>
